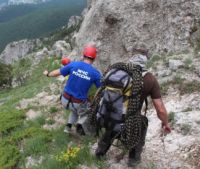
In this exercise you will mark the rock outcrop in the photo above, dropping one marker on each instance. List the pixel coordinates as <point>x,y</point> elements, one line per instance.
<point>158,25</point>
<point>19,49</point>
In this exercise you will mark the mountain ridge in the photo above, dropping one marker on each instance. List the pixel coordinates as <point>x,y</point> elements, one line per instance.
<point>33,21</point>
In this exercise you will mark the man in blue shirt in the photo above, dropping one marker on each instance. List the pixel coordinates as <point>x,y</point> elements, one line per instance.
<point>82,75</point>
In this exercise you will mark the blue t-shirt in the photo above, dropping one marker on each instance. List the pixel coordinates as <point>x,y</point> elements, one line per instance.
<point>81,77</point>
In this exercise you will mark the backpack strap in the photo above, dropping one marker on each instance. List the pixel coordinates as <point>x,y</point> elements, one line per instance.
<point>146,106</point>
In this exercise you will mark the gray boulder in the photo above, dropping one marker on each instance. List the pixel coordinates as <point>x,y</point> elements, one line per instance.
<point>175,64</point>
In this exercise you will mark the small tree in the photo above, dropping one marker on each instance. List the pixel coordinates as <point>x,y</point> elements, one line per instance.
<point>5,75</point>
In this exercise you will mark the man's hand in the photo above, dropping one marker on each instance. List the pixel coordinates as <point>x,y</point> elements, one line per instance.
<point>45,72</point>
<point>53,73</point>
<point>166,128</point>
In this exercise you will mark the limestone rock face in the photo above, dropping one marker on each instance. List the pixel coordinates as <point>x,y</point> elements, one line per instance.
<point>161,26</point>
<point>61,48</point>
<point>74,21</point>
<point>18,49</point>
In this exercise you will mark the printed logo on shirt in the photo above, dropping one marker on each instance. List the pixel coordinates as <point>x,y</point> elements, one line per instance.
<point>82,74</point>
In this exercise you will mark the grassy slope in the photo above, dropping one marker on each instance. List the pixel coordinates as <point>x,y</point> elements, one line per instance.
<point>16,133</point>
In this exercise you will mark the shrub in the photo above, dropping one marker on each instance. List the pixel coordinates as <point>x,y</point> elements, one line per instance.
<point>185,129</point>
<point>20,70</point>
<point>5,75</point>
<point>36,145</point>
<point>171,118</point>
<point>9,155</point>
<point>164,88</point>
<point>10,120</point>
<point>187,109</point>
<point>151,62</point>
<point>50,121</point>
<point>151,166</point>
<point>190,87</point>
<point>53,110</point>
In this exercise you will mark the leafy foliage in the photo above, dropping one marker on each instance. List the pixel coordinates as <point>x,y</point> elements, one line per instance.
<point>9,155</point>
<point>5,75</point>
<point>10,120</point>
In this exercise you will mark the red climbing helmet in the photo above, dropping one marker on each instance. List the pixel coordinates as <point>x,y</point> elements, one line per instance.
<point>65,61</point>
<point>90,52</point>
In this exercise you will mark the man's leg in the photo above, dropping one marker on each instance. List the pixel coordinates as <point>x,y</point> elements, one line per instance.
<point>73,117</point>
<point>105,143</point>
<point>81,126</point>
<point>135,153</point>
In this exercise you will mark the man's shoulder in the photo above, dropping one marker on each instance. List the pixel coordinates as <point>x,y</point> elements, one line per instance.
<point>149,77</point>
<point>147,74</point>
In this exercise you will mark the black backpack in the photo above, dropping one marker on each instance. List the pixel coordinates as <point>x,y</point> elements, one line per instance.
<point>117,104</point>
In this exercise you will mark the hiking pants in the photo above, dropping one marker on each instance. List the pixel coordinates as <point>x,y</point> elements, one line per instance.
<point>135,153</point>
<point>77,109</point>
<point>108,137</point>
<point>105,142</point>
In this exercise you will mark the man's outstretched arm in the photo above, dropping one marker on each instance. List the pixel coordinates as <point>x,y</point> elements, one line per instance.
<point>53,73</point>
<point>162,113</point>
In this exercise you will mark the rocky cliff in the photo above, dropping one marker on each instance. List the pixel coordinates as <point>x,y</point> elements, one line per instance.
<point>19,49</point>
<point>161,26</point>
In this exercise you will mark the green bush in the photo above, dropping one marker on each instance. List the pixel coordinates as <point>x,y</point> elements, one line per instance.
<point>5,75</point>
<point>151,165</point>
<point>151,62</point>
<point>190,87</point>
<point>50,121</point>
<point>36,145</point>
<point>185,129</point>
<point>9,156</point>
<point>171,118</point>
<point>53,110</point>
<point>20,69</point>
<point>11,120</point>
<point>183,86</point>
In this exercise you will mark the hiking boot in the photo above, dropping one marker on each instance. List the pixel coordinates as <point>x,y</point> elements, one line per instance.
<point>68,128</point>
<point>133,162</point>
<point>80,130</point>
<point>101,149</point>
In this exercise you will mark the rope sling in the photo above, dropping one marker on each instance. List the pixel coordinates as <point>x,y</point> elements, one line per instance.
<point>131,131</point>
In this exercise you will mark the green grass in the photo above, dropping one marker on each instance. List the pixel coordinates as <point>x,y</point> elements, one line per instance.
<point>171,118</point>
<point>38,122</point>
<point>12,127</point>
<point>20,138</point>
<point>37,145</point>
<point>153,60</point>
<point>185,129</point>
<point>182,85</point>
<point>50,121</point>
<point>10,120</point>
<point>151,166</point>
<point>190,87</point>
<point>53,110</point>
<point>9,155</point>
<point>32,86</point>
